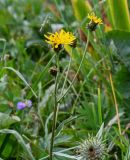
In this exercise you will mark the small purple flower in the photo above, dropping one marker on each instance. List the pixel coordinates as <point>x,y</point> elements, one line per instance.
<point>28,103</point>
<point>21,105</point>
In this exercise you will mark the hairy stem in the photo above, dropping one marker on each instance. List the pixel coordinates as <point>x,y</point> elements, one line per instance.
<point>55,111</point>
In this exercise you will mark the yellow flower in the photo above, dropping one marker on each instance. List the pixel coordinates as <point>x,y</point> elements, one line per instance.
<point>60,38</point>
<point>94,18</point>
<point>94,21</point>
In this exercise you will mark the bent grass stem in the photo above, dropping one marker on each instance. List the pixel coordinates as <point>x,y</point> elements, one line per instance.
<point>115,101</point>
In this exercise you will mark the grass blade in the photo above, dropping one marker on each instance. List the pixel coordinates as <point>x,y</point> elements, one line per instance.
<point>120,14</point>
<point>99,107</point>
<point>80,14</point>
<point>22,78</point>
<point>20,140</point>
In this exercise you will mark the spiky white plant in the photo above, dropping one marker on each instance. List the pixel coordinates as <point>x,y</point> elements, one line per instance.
<point>93,148</point>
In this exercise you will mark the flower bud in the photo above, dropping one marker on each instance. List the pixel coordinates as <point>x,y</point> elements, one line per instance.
<point>53,71</point>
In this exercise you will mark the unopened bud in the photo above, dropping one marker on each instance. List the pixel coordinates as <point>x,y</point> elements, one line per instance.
<point>53,71</point>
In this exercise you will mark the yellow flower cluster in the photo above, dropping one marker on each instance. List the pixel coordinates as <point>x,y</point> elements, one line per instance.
<point>60,38</point>
<point>94,18</point>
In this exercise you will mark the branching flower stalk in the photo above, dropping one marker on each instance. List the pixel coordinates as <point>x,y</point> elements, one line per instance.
<point>76,72</point>
<point>57,40</point>
<point>66,75</point>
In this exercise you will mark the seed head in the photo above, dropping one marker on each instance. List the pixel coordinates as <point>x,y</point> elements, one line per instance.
<point>92,149</point>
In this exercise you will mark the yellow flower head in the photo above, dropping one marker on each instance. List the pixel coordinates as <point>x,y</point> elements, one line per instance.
<point>94,22</point>
<point>60,38</point>
<point>94,18</point>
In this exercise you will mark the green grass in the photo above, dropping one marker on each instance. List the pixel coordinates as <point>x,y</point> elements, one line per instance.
<point>87,102</point>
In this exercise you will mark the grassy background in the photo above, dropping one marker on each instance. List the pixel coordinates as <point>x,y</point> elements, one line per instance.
<point>25,59</point>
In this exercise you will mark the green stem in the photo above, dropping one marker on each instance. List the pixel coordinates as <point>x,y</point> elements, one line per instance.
<point>77,71</point>
<point>66,77</point>
<point>99,106</point>
<point>55,111</point>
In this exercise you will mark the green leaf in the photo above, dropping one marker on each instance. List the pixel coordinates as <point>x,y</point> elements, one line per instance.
<point>3,83</point>
<point>81,9</point>
<point>8,20</point>
<point>127,156</point>
<point>122,79</point>
<point>21,77</point>
<point>6,120</point>
<point>20,140</point>
<point>120,14</point>
<point>100,132</point>
<point>65,122</point>
<point>63,138</point>
<point>65,155</point>
<point>121,40</point>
